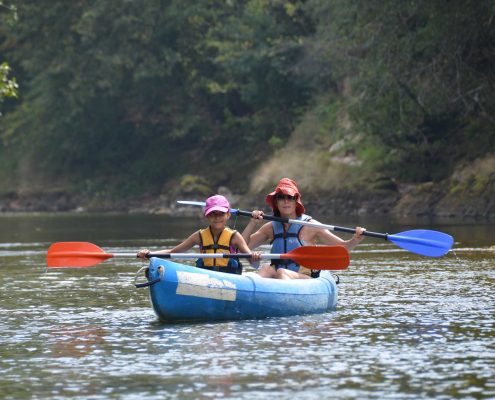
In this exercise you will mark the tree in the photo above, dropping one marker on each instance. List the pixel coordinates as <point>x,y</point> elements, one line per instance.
<point>419,78</point>
<point>163,87</point>
<point>8,87</point>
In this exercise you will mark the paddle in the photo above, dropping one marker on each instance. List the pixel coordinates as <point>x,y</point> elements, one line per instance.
<point>84,254</point>
<point>420,241</point>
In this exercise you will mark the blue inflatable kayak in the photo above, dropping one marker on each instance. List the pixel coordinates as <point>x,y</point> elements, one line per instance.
<point>184,293</point>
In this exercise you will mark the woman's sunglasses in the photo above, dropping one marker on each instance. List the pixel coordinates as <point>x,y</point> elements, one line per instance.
<point>285,197</point>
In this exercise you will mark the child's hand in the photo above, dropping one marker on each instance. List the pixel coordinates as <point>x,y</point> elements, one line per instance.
<point>256,256</point>
<point>255,259</point>
<point>143,253</point>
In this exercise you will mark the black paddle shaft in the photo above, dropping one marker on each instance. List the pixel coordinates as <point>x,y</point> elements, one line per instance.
<point>331,227</point>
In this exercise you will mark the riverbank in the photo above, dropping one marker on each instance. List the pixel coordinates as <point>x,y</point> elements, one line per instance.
<point>424,200</point>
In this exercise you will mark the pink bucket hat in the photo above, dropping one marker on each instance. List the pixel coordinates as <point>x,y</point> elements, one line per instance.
<point>216,203</point>
<point>286,186</point>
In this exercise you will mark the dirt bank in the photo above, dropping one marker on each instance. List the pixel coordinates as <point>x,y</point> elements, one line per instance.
<point>414,200</point>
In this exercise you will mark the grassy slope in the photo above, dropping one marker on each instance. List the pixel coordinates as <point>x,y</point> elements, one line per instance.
<point>326,163</point>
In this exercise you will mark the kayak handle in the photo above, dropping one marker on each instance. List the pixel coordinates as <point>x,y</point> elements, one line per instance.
<point>146,273</point>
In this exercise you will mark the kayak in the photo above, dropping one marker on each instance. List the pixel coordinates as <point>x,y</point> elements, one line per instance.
<point>182,292</point>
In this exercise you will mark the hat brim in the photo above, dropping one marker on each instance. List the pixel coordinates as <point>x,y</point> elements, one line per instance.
<point>272,202</point>
<point>285,190</point>
<point>216,208</point>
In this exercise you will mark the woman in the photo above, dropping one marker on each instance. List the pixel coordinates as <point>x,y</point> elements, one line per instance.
<point>285,201</point>
<point>216,238</point>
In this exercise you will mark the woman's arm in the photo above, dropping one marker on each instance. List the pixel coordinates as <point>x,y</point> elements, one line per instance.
<point>262,235</point>
<point>324,236</point>
<point>252,226</point>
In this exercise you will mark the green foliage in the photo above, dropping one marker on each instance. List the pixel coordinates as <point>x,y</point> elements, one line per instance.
<point>107,86</point>
<point>418,77</point>
<point>275,142</point>
<point>151,91</point>
<point>8,87</point>
<point>194,185</point>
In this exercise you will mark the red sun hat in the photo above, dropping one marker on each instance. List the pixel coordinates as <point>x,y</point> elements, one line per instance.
<point>289,187</point>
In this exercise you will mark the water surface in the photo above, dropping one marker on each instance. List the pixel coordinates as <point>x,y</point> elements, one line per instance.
<point>406,326</point>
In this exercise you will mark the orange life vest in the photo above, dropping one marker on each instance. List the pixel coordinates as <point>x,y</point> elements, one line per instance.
<point>222,245</point>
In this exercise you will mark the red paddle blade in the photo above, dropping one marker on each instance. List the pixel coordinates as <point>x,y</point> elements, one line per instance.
<point>320,257</point>
<point>75,255</point>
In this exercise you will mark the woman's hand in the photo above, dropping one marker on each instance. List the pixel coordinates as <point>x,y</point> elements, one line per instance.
<point>257,216</point>
<point>359,235</point>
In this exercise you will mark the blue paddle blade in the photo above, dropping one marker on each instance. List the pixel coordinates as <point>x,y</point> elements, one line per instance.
<point>424,242</point>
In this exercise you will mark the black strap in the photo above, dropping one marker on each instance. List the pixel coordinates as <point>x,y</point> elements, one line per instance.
<point>285,235</point>
<point>216,247</point>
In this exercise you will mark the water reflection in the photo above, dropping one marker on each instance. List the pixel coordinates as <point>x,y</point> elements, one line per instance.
<point>77,341</point>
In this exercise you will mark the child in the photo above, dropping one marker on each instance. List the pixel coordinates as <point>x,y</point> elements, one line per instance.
<point>216,238</point>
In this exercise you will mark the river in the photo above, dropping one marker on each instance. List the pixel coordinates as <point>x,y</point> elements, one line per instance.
<point>406,326</point>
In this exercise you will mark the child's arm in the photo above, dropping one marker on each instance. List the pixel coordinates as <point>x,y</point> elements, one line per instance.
<point>187,244</point>
<point>190,242</point>
<point>239,242</point>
